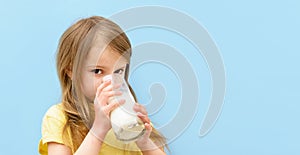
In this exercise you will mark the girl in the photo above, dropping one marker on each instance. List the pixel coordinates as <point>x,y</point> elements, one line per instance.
<point>89,50</point>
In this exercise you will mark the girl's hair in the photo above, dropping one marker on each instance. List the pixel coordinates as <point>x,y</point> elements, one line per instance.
<point>74,45</point>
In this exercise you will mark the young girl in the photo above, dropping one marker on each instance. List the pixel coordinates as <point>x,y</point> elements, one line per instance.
<point>89,50</point>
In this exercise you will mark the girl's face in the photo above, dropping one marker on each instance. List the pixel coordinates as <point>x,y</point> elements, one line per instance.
<point>96,66</point>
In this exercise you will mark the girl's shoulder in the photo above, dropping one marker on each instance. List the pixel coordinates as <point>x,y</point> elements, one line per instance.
<point>55,112</point>
<point>52,128</point>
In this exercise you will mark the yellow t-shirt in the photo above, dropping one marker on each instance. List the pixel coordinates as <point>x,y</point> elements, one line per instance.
<point>52,130</point>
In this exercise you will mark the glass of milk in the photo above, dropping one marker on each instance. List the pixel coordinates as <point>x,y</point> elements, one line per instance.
<point>126,125</point>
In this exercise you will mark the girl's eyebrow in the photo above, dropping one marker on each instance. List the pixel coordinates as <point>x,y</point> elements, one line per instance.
<point>121,67</point>
<point>97,66</point>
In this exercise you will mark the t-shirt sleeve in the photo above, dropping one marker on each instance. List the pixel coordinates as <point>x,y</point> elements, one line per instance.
<point>53,124</point>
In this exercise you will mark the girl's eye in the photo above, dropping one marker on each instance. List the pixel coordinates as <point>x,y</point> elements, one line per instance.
<point>119,71</point>
<point>97,71</point>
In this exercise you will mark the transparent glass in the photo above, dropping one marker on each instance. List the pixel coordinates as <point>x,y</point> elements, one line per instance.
<point>126,125</point>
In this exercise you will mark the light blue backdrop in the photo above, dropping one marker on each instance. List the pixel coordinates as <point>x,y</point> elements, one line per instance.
<point>259,42</point>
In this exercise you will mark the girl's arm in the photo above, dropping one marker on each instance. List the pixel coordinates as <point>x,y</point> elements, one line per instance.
<point>91,144</point>
<point>56,148</point>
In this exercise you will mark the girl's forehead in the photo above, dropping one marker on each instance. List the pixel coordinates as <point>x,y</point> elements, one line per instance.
<point>105,58</point>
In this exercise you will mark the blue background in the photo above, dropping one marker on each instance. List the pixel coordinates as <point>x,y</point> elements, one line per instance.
<point>258,40</point>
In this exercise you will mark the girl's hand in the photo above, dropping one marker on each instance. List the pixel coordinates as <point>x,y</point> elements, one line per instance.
<point>144,142</point>
<point>102,123</point>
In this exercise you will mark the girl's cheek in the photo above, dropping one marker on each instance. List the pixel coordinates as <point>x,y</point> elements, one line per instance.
<point>97,83</point>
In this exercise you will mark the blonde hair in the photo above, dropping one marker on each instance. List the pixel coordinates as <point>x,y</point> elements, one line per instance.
<point>74,45</point>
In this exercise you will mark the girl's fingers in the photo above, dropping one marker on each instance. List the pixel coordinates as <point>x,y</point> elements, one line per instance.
<point>104,91</point>
<point>102,86</point>
<point>141,113</point>
<point>114,105</point>
<point>144,118</point>
<point>110,107</point>
<point>148,131</point>
<point>140,108</point>
<point>145,143</point>
<point>111,93</point>
<point>107,88</point>
<point>148,127</point>
<point>111,87</point>
<point>103,98</point>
